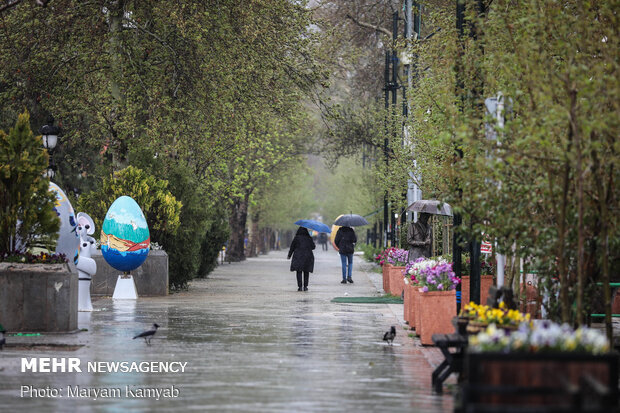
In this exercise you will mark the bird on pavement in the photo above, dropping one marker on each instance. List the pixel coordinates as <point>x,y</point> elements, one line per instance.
<point>148,334</point>
<point>389,335</point>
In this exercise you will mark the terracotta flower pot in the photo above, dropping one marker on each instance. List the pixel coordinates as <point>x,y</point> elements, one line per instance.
<point>397,283</point>
<point>386,277</point>
<point>416,310</point>
<point>437,308</point>
<point>412,293</point>
<point>407,304</point>
<point>486,281</point>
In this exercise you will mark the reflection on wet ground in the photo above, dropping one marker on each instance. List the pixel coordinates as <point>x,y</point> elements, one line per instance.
<point>251,342</point>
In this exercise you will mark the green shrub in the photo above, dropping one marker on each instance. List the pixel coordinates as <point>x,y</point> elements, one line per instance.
<point>193,249</point>
<point>370,252</point>
<point>24,192</point>
<point>160,207</point>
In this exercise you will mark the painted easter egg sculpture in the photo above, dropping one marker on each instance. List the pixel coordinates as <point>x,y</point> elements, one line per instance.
<point>68,238</point>
<point>125,236</point>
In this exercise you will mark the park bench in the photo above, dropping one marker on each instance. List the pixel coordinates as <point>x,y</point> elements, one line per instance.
<point>452,347</point>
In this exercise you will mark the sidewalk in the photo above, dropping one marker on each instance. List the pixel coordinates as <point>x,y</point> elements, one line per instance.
<point>252,343</point>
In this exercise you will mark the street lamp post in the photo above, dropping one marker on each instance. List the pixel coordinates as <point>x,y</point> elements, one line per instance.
<point>50,134</point>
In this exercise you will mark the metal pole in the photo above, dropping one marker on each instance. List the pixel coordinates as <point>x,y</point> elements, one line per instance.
<point>394,87</point>
<point>385,142</point>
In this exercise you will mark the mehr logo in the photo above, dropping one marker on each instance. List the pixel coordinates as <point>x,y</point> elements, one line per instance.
<point>51,365</point>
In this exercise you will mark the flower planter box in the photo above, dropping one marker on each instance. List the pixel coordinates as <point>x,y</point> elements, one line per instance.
<point>386,277</point>
<point>436,309</point>
<point>407,304</point>
<point>416,310</point>
<point>552,379</point>
<point>413,309</point>
<point>397,282</point>
<point>38,297</point>
<point>486,281</point>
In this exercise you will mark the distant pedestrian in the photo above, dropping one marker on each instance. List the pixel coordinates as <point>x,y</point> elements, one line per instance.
<point>303,258</point>
<point>345,243</point>
<point>323,241</point>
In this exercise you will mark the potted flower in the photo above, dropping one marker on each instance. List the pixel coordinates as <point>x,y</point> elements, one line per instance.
<point>436,298</point>
<point>409,299</point>
<point>481,316</point>
<point>488,269</point>
<point>534,364</point>
<point>397,258</point>
<point>385,266</point>
<point>38,292</point>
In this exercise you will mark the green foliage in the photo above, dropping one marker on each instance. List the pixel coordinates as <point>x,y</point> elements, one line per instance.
<point>545,188</point>
<point>217,85</point>
<point>370,252</point>
<point>24,192</point>
<point>346,188</point>
<point>159,206</point>
<point>194,247</point>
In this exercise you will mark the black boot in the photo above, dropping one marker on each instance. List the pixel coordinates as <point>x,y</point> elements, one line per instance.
<point>299,281</point>
<point>306,277</point>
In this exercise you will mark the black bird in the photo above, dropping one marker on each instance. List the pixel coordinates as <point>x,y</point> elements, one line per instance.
<point>2,339</point>
<point>148,334</point>
<point>389,335</point>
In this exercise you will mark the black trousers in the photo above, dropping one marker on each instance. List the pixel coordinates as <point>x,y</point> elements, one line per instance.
<point>306,277</point>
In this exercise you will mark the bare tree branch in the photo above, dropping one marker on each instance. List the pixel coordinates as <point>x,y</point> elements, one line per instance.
<point>9,4</point>
<point>369,26</point>
<point>12,3</point>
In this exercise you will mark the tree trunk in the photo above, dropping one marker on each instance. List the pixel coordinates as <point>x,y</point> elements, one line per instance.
<point>116,14</point>
<point>581,276</point>
<point>238,218</point>
<point>253,248</point>
<point>603,197</point>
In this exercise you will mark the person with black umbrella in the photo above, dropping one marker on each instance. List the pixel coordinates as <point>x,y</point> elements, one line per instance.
<point>303,258</point>
<point>345,242</point>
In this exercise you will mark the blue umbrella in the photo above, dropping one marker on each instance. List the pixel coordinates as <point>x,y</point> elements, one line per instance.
<point>315,225</point>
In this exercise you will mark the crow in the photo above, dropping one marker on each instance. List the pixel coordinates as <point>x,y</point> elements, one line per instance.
<point>389,335</point>
<point>148,334</point>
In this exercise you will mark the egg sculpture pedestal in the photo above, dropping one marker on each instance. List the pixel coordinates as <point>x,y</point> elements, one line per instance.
<point>125,241</point>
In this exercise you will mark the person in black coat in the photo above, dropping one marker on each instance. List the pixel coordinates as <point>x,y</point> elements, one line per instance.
<point>303,258</point>
<point>345,241</point>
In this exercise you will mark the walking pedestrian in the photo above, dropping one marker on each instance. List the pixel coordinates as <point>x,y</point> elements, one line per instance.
<point>345,243</point>
<point>323,241</point>
<point>303,258</point>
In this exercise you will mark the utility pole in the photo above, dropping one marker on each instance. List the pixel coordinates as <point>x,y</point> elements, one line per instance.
<point>456,219</point>
<point>386,89</point>
<point>412,33</point>
<point>474,245</point>
<point>394,87</point>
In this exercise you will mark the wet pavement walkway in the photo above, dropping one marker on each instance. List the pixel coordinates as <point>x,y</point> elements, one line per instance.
<point>251,341</point>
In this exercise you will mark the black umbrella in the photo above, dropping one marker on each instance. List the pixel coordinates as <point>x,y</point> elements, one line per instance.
<point>351,220</point>
<point>431,206</point>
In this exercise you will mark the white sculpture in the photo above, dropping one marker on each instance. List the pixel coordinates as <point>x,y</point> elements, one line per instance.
<point>86,266</point>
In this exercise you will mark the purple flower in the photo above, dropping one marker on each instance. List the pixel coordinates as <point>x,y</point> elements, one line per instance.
<point>425,289</point>
<point>440,287</point>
